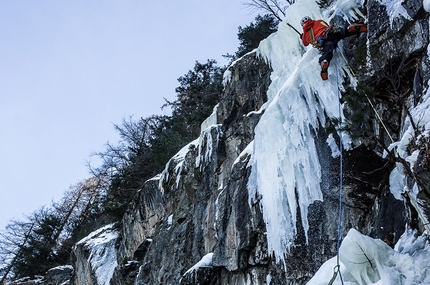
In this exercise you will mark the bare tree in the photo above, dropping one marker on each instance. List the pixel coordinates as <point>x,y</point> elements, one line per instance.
<point>273,7</point>
<point>62,219</point>
<point>135,140</point>
<point>76,205</point>
<point>11,241</point>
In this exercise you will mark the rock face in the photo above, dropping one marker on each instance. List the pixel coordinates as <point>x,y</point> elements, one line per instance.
<point>200,204</point>
<point>96,257</point>
<point>54,276</point>
<point>59,275</point>
<point>205,186</point>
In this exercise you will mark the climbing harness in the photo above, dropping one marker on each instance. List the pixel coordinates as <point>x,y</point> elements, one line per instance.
<point>319,41</point>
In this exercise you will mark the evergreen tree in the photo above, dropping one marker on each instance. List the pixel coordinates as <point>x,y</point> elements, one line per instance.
<point>41,251</point>
<point>127,165</point>
<point>197,94</point>
<point>251,36</point>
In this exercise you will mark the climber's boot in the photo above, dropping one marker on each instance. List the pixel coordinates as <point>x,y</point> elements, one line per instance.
<point>358,27</point>
<point>324,69</point>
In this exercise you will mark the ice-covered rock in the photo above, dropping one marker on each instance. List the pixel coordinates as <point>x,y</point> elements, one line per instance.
<point>96,257</point>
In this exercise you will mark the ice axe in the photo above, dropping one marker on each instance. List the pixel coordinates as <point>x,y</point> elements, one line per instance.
<point>294,29</point>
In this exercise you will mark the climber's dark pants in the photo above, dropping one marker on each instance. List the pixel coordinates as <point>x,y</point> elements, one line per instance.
<point>330,43</point>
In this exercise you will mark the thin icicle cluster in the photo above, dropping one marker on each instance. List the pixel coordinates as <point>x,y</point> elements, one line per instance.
<point>395,9</point>
<point>178,160</point>
<point>204,144</point>
<point>206,141</point>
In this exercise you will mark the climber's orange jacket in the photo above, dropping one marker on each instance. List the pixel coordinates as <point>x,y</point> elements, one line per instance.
<point>314,32</point>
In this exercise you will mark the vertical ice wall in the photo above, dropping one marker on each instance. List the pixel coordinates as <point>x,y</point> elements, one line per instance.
<point>285,166</point>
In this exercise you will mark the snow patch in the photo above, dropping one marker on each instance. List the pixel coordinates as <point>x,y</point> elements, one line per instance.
<point>169,222</point>
<point>62,267</point>
<point>335,152</point>
<point>206,261</point>
<point>245,153</point>
<point>177,159</point>
<point>364,260</point>
<point>426,5</point>
<point>395,9</point>
<point>103,254</point>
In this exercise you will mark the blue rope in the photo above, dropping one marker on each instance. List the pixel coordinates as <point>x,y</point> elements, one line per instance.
<point>340,178</point>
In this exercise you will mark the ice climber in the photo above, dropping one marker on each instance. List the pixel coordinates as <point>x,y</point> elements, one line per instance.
<point>319,34</point>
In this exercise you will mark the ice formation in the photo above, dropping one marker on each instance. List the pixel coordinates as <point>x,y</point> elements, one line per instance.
<point>286,169</point>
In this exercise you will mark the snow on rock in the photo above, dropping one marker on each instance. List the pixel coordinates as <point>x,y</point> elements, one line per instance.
<point>36,280</point>
<point>426,5</point>
<point>335,152</point>
<point>59,275</point>
<point>102,255</point>
<point>364,260</point>
<point>204,144</point>
<point>395,9</point>
<point>420,118</point>
<point>191,275</point>
<point>206,261</point>
<point>177,160</point>
<point>287,171</point>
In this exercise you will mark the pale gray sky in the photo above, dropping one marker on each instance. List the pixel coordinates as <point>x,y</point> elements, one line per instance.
<point>69,69</point>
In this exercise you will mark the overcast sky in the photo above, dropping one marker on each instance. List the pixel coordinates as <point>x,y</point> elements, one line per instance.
<point>70,69</point>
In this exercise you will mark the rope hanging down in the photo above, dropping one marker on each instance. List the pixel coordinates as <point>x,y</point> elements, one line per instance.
<point>339,226</point>
<point>412,199</point>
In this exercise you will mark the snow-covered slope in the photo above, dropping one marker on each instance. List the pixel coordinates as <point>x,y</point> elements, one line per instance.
<point>364,260</point>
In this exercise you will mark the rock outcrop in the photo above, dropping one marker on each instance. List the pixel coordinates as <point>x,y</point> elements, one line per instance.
<point>55,276</point>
